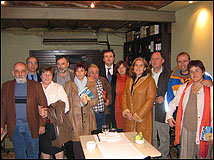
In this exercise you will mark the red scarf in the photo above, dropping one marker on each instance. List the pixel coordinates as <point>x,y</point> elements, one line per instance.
<point>206,119</point>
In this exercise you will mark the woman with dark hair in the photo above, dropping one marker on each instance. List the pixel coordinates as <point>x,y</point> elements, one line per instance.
<point>195,110</point>
<point>138,99</point>
<point>82,114</point>
<point>121,72</point>
<point>53,92</point>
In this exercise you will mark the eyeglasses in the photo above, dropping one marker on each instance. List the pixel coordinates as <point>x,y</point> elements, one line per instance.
<point>30,63</point>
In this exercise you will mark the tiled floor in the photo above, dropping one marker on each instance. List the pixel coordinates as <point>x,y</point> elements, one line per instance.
<point>11,155</point>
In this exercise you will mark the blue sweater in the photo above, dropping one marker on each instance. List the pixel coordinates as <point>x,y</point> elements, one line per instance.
<point>20,103</point>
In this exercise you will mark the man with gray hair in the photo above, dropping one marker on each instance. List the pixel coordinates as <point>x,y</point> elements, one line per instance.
<point>161,76</point>
<point>20,101</point>
<point>103,87</point>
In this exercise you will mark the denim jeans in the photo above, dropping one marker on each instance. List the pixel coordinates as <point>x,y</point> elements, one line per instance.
<point>24,146</point>
<point>100,119</point>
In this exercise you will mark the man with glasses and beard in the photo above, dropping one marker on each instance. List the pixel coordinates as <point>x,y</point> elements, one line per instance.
<point>20,99</point>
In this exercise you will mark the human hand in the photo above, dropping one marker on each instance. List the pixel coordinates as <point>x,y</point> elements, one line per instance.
<point>41,130</point>
<point>43,112</point>
<point>171,122</point>
<point>107,102</point>
<point>2,130</point>
<point>207,83</point>
<point>129,116</point>
<point>210,142</point>
<point>84,101</point>
<point>159,99</point>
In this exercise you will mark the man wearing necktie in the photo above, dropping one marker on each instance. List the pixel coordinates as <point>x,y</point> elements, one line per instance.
<point>32,66</point>
<point>109,75</point>
<point>107,71</point>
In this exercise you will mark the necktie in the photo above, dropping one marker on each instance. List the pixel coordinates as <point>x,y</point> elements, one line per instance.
<point>32,77</point>
<point>109,76</point>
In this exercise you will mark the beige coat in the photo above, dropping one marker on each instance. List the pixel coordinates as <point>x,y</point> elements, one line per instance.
<point>83,119</point>
<point>140,104</point>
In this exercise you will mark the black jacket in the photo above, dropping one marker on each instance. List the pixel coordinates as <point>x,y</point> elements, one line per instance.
<point>102,72</point>
<point>160,113</point>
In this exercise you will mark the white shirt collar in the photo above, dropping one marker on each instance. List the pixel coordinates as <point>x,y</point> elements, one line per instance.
<point>111,70</point>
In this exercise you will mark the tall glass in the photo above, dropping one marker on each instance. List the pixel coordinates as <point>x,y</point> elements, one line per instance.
<point>105,129</point>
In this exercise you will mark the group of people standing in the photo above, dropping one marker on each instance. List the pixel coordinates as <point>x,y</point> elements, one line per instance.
<point>48,116</point>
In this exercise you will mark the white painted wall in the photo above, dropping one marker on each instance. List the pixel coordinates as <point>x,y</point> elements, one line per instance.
<point>15,47</point>
<point>193,32</point>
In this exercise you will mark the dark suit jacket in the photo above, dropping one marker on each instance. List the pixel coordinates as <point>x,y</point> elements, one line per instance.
<point>102,72</point>
<point>160,113</point>
<point>38,77</point>
<point>35,97</point>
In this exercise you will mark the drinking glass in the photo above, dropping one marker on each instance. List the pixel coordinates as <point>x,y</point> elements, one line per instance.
<point>105,129</point>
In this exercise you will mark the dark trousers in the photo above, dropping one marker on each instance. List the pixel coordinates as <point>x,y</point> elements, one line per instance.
<point>100,119</point>
<point>78,151</point>
<point>112,114</point>
<point>69,151</point>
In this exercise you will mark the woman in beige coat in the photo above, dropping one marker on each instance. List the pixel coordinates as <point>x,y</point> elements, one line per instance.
<point>138,99</point>
<point>81,111</point>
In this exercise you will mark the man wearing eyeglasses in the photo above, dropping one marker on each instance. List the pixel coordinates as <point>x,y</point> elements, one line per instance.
<point>32,66</point>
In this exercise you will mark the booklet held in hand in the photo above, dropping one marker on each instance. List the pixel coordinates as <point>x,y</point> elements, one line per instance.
<point>86,94</point>
<point>206,133</point>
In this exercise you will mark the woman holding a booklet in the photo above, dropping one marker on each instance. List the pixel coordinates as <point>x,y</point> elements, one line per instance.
<point>195,113</point>
<point>82,95</point>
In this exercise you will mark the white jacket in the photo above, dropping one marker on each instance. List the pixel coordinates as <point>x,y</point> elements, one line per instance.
<point>200,103</point>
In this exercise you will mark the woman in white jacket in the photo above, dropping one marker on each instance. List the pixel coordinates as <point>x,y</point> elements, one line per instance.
<point>195,110</point>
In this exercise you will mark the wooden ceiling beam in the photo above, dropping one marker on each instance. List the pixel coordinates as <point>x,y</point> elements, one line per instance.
<point>122,25</point>
<point>21,24</point>
<point>86,14</point>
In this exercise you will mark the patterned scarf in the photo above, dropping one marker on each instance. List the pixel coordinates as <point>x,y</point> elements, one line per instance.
<point>206,119</point>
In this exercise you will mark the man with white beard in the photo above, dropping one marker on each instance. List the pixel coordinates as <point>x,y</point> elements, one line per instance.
<point>20,99</point>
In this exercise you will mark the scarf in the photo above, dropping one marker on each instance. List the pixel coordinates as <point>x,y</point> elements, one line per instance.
<point>80,85</point>
<point>206,119</point>
<point>120,86</point>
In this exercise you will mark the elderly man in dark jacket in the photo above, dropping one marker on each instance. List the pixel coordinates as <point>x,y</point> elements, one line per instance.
<point>20,99</point>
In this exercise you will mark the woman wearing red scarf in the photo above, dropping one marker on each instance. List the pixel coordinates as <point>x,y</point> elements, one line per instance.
<point>195,110</point>
<point>121,69</point>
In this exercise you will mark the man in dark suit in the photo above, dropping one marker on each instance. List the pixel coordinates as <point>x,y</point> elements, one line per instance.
<point>32,66</point>
<point>20,100</point>
<point>107,71</point>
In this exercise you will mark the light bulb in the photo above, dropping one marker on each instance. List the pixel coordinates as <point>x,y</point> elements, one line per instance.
<point>92,5</point>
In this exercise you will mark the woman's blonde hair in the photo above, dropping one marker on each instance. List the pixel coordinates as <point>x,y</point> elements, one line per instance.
<point>147,71</point>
